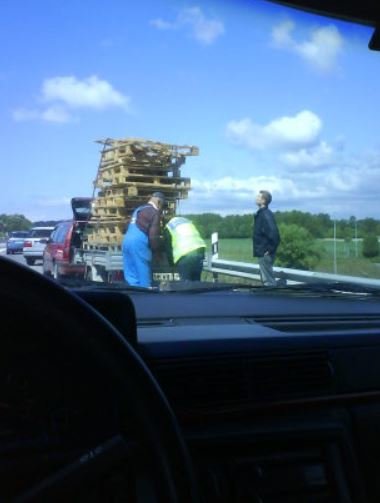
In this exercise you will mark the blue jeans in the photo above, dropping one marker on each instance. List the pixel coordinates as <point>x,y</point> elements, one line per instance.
<point>266,270</point>
<point>137,257</point>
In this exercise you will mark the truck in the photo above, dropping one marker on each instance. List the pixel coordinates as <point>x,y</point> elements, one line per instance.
<point>129,171</point>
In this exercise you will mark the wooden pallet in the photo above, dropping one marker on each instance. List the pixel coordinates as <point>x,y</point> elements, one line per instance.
<point>132,201</point>
<point>165,167</point>
<point>138,147</point>
<point>111,211</point>
<point>129,203</point>
<point>141,194</point>
<point>152,183</point>
<point>150,176</point>
<point>100,224</point>
<point>130,171</point>
<point>100,241</point>
<point>110,202</point>
<point>108,225</point>
<point>107,231</point>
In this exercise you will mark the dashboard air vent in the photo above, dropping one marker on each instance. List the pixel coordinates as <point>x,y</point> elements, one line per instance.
<point>317,323</point>
<point>222,381</point>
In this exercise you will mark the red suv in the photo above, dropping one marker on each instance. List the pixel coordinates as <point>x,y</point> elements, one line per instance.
<point>59,258</point>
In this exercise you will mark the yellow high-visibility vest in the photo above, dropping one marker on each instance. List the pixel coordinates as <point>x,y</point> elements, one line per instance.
<point>185,237</point>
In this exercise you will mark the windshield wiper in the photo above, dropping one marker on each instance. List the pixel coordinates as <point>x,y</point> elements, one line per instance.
<point>81,284</point>
<point>321,288</point>
<point>335,288</point>
<point>204,286</point>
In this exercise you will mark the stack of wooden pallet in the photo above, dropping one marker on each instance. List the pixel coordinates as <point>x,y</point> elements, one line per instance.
<point>129,172</point>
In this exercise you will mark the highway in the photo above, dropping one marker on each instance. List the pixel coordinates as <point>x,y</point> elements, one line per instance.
<point>20,258</point>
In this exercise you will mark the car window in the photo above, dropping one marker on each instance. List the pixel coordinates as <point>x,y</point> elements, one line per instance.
<point>53,235</point>
<point>61,232</point>
<point>40,233</point>
<point>20,234</point>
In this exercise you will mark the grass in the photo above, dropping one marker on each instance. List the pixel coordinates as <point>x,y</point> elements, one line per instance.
<point>347,262</point>
<point>343,249</point>
<point>235,249</point>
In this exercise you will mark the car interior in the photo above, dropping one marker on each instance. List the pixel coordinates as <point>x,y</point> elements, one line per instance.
<point>217,395</point>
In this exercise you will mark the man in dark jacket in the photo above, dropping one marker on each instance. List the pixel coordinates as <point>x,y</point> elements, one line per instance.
<point>266,238</point>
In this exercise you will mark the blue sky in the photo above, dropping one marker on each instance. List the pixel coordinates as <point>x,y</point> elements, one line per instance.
<point>274,98</point>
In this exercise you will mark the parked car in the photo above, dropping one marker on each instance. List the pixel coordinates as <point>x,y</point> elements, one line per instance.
<point>66,237</point>
<point>34,246</point>
<point>15,241</point>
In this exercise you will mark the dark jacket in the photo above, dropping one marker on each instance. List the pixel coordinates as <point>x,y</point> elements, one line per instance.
<point>148,221</point>
<point>266,237</point>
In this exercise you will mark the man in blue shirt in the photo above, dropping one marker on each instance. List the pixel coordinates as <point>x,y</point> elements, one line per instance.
<point>142,237</point>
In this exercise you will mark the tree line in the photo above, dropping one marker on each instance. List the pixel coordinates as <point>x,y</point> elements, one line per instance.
<point>300,232</point>
<point>319,225</point>
<point>18,222</point>
<point>240,226</point>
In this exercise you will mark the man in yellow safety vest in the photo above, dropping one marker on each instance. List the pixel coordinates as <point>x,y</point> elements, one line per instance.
<point>185,248</point>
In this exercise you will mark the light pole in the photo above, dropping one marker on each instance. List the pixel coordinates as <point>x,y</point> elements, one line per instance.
<point>334,253</point>
<point>356,238</point>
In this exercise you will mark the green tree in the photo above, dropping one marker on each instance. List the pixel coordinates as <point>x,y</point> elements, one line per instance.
<point>317,225</point>
<point>368,226</point>
<point>298,249</point>
<point>9,223</point>
<point>370,246</point>
<point>206,223</point>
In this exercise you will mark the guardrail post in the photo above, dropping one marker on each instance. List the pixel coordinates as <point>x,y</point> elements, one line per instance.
<point>214,252</point>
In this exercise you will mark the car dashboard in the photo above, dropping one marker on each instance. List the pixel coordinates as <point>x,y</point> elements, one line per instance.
<point>278,395</point>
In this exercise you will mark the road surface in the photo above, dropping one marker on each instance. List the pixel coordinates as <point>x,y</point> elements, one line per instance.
<point>20,258</point>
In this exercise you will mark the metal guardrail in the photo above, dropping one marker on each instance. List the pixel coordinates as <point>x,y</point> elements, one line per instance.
<point>218,266</point>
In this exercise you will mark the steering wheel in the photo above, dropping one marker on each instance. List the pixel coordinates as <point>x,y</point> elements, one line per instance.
<point>84,329</point>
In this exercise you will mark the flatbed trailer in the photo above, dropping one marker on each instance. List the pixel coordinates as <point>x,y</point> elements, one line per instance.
<point>104,263</point>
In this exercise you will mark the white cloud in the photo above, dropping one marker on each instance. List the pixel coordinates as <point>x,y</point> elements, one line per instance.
<point>315,157</point>
<point>91,92</point>
<point>62,95</point>
<point>281,34</point>
<point>237,195</point>
<point>55,114</point>
<point>204,30</point>
<point>342,191</point>
<point>347,186</point>
<point>321,49</point>
<point>299,131</point>
<point>25,114</point>
<point>342,181</point>
<point>160,24</point>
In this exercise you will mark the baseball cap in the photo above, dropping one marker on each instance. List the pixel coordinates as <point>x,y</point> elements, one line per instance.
<point>159,195</point>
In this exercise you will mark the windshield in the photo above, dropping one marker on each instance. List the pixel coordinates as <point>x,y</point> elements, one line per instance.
<point>232,142</point>
<point>40,233</point>
<point>21,234</point>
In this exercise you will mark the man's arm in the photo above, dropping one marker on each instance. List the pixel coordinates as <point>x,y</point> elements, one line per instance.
<point>272,234</point>
<point>154,232</point>
<point>148,221</point>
